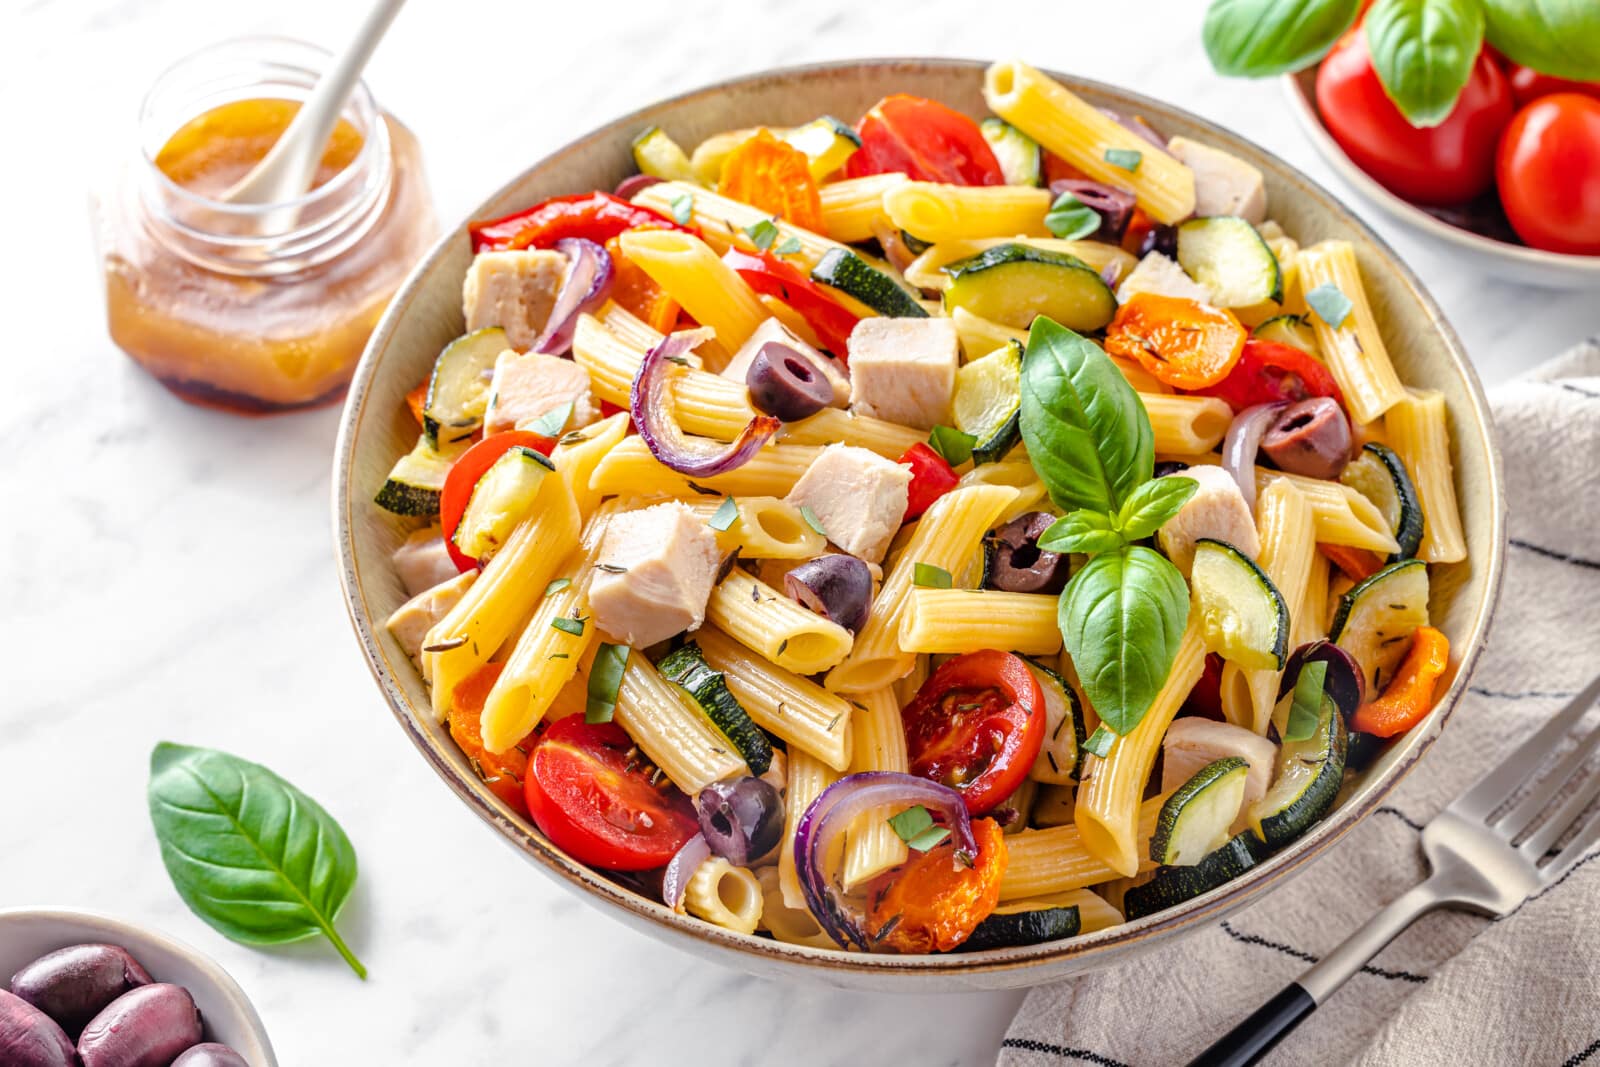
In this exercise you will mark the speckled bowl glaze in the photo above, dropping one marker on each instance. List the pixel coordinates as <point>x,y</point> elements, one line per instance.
<point>28,933</point>
<point>376,429</point>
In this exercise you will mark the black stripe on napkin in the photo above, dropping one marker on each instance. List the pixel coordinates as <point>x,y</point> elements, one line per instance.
<point>1581,1057</point>
<point>1306,957</point>
<point>1402,816</point>
<point>1526,694</point>
<point>1029,1045</point>
<point>1569,387</point>
<point>1550,553</point>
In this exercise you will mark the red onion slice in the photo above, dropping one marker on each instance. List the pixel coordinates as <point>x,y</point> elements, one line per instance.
<point>831,814</point>
<point>1138,126</point>
<point>1239,448</point>
<point>694,457</point>
<point>584,287</point>
<point>629,186</point>
<point>675,881</point>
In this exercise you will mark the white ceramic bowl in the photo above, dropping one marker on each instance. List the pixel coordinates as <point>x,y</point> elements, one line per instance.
<point>28,933</point>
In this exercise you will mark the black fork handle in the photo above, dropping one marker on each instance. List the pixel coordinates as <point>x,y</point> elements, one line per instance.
<point>1254,1037</point>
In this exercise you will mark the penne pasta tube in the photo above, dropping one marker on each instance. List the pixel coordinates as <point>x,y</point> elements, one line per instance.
<point>953,621</point>
<point>1353,350</point>
<point>630,469</point>
<point>724,895</point>
<point>723,222</point>
<point>1418,431</point>
<point>704,286</point>
<point>879,744</point>
<point>664,722</point>
<point>791,925</point>
<point>578,453</point>
<point>781,702</point>
<point>1187,425</point>
<point>808,777</point>
<point>774,626</point>
<point>851,205</point>
<point>766,528</point>
<point>934,212</point>
<point>1031,492</point>
<point>1057,860</point>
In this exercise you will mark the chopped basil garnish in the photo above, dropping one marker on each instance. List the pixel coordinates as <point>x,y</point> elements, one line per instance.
<point>762,233</point>
<point>930,577</point>
<point>1307,705</point>
<point>954,446</point>
<point>682,208</point>
<point>788,246</point>
<point>1070,218</point>
<point>1330,304</point>
<point>1126,158</point>
<point>1099,742</point>
<point>725,516</point>
<point>605,678</point>
<point>811,520</point>
<point>911,822</point>
<point>568,626</point>
<point>556,586</point>
<point>928,838</point>
<point>553,421</point>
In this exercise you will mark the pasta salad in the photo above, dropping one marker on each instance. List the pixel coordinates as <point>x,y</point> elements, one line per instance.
<point>924,535</point>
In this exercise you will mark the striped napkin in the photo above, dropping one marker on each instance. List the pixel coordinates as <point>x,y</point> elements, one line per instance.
<point>1455,988</point>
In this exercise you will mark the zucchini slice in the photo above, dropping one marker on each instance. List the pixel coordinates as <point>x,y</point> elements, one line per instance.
<point>1225,254</point>
<point>855,277</point>
<point>1057,762</point>
<point>1021,162</point>
<point>688,668</point>
<point>1012,284</point>
<point>1194,821</point>
<point>1172,886</point>
<point>1381,476</point>
<point>988,402</point>
<point>502,498</point>
<point>1010,925</point>
<point>1291,330</point>
<point>1246,620</point>
<point>827,143</point>
<point>659,156</point>
<point>458,390</point>
<point>414,483</point>
<point>1306,783</point>
<point>1376,619</point>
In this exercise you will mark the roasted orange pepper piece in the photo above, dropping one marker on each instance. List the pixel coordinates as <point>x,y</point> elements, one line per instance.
<point>417,400</point>
<point>934,901</point>
<point>503,772</point>
<point>638,293</point>
<point>1409,695</point>
<point>775,177</point>
<point>1357,563</point>
<point>1186,344</point>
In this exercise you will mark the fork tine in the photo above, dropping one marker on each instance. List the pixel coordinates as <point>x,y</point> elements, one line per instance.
<point>1528,808</point>
<point>1494,787</point>
<point>1574,806</point>
<point>1575,850</point>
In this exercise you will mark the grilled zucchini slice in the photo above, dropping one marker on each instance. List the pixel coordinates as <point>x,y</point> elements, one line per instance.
<point>1057,762</point>
<point>1021,161</point>
<point>688,668</point>
<point>458,389</point>
<point>1195,820</point>
<point>1291,330</point>
<point>1172,886</point>
<point>988,402</point>
<point>1225,254</point>
<point>1375,619</point>
<point>503,497</point>
<point>659,156</point>
<point>855,277</point>
<point>1013,284</point>
<point>415,482</point>
<point>1381,476</point>
<point>1246,620</point>
<point>1306,782</point>
<point>1010,925</point>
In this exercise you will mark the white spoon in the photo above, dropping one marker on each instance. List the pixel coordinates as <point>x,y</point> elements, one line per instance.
<point>287,171</point>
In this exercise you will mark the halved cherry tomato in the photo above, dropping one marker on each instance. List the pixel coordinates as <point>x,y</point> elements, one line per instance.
<point>766,273</point>
<point>1186,344</point>
<point>1357,564</point>
<point>417,400</point>
<point>925,141</point>
<point>931,478</point>
<point>933,902</point>
<point>638,293</point>
<point>502,772</point>
<point>596,216</point>
<point>976,725</point>
<point>464,475</point>
<point>775,177</point>
<point>1528,85</point>
<point>1549,174</point>
<point>1269,371</point>
<point>598,807</point>
<point>1408,697</point>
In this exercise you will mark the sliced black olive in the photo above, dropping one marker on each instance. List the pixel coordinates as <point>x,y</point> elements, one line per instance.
<point>837,587</point>
<point>1311,437</point>
<point>785,384</point>
<point>1159,238</point>
<point>742,819</point>
<point>1016,562</point>
<point>1113,205</point>
<point>1343,681</point>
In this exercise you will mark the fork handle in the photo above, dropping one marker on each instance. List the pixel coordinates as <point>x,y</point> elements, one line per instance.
<point>1251,1039</point>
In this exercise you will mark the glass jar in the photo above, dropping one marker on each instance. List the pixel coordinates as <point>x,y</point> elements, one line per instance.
<point>256,307</point>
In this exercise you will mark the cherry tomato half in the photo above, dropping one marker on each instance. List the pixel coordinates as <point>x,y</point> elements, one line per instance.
<point>933,902</point>
<point>924,140</point>
<point>1186,344</point>
<point>931,478</point>
<point>976,726</point>
<point>595,807</point>
<point>1549,174</point>
<point>1446,164</point>
<point>1528,85</point>
<point>1269,371</point>
<point>464,475</point>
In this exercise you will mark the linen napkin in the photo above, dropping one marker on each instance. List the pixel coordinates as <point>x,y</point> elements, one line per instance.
<point>1455,988</point>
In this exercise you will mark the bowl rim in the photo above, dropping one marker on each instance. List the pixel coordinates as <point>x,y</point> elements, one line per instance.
<point>637,909</point>
<point>1303,105</point>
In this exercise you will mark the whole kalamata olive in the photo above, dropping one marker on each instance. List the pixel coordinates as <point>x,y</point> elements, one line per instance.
<point>72,985</point>
<point>210,1054</point>
<point>630,185</point>
<point>837,587</point>
<point>1311,437</point>
<point>742,819</point>
<point>1342,682</point>
<point>1018,565</point>
<point>785,384</point>
<point>145,1027</point>
<point>30,1038</point>
<point>1159,238</point>
<point>1167,466</point>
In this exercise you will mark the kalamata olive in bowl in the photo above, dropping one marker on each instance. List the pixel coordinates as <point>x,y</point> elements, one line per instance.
<point>783,383</point>
<point>210,1054</point>
<point>1018,565</point>
<point>30,1038</point>
<point>145,1027</point>
<point>73,984</point>
<point>742,819</point>
<point>1310,437</point>
<point>837,587</point>
<point>1342,682</point>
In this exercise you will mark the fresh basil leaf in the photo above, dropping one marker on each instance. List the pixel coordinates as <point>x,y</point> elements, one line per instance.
<point>911,822</point>
<point>1559,37</point>
<point>1260,38</point>
<point>928,576</point>
<point>1100,742</point>
<point>1122,617</point>
<point>552,422</point>
<point>762,233</point>
<point>568,626</point>
<point>929,838</point>
<point>1084,531</point>
<point>253,856</point>
<point>726,515</point>
<point>1070,218</point>
<point>1423,52</point>
<point>682,207</point>
<point>1088,436</point>
<point>1307,705</point>
<point>556,586</point>
<point>1152,504</point>
<point>811,520</point>
<point>1330,304</point>
<point>788,246</point>
<point>953,445</point>
<point>1126,158</point>
<point>605,679</point>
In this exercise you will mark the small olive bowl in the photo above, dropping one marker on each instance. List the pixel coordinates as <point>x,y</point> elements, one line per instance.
<point>28,933</point>
<point>376,429</point>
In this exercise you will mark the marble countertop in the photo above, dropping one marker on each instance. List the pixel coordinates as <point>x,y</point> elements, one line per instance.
<point>168,571</point>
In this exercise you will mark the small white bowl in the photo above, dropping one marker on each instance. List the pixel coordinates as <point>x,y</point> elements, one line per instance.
<point>1531,266</point>
<point>28,933</point>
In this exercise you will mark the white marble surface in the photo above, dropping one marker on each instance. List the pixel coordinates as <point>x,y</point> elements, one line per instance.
<point>167,572</point>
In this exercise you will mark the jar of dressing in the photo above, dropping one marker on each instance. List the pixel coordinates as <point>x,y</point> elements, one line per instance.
<point>256,307</point>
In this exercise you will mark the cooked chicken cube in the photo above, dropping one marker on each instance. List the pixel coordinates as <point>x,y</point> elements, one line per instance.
<point>654,575</point>
<point>1224,184</point>
<point>773,330</point>
<point>527,385</point>
<point>514,291</point>
<point>423,561</point>
<point>412,620</point>
<point>858,497</point>
<point>904,370</point>
<point>1160,276</point>
<point>1216,510</point>
<point>1192,742</point>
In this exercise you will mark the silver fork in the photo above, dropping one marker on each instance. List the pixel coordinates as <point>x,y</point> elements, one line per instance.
<point>1481,859</point>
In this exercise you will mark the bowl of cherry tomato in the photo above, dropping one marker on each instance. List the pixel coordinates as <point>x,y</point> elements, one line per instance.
<point>1512,175</point>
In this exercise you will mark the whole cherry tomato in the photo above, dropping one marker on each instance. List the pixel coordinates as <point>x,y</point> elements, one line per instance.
<point>1549,174</point>
<point>1528,85</point>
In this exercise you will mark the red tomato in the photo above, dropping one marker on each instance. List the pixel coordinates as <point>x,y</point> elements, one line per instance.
<point>464,475</point>
<point>976,725</point>
<point>1447,164</point>
<point>830,320</point>
<point>587,799</point>
<point>931,478</point>
<point>1549,174</point>
<point>1528,85</point>
<point>924,140</point>
<point>1268,371</point>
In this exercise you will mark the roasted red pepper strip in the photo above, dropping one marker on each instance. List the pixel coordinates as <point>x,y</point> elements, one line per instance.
<point>1270,371</point>
<point>931,478</point>
<point>1408,697</point>
<point>934,901</point>
<point>1357,563</point>
<point>595,216</point>
<point>766,273</point>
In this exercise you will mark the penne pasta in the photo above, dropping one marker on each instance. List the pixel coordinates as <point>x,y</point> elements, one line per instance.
<point>959,620</point>
<point>772,625</point>
<point>808,777</point>
<point>704,286</point>
<point>1057,860</point>
<point>793,925</point>
<point>1187,425</point>
<point>629,468</point>
<point>766,528</point>
<point>1354,349</point>
<point>578,453</point>
<point>851,206</point>
<point>723,222</point>
<point>668,727</point>
<point>1031,493</point>
<point>879,744</point>
<point>935,212</point>
<point>781,702</point>
<point>724,895</point>
<point>1417,430</point>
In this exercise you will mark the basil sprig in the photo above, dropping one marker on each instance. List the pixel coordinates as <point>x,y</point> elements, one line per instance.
<point>249,853</point>
<point>1423,52</point>
<point>1557,37</point>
